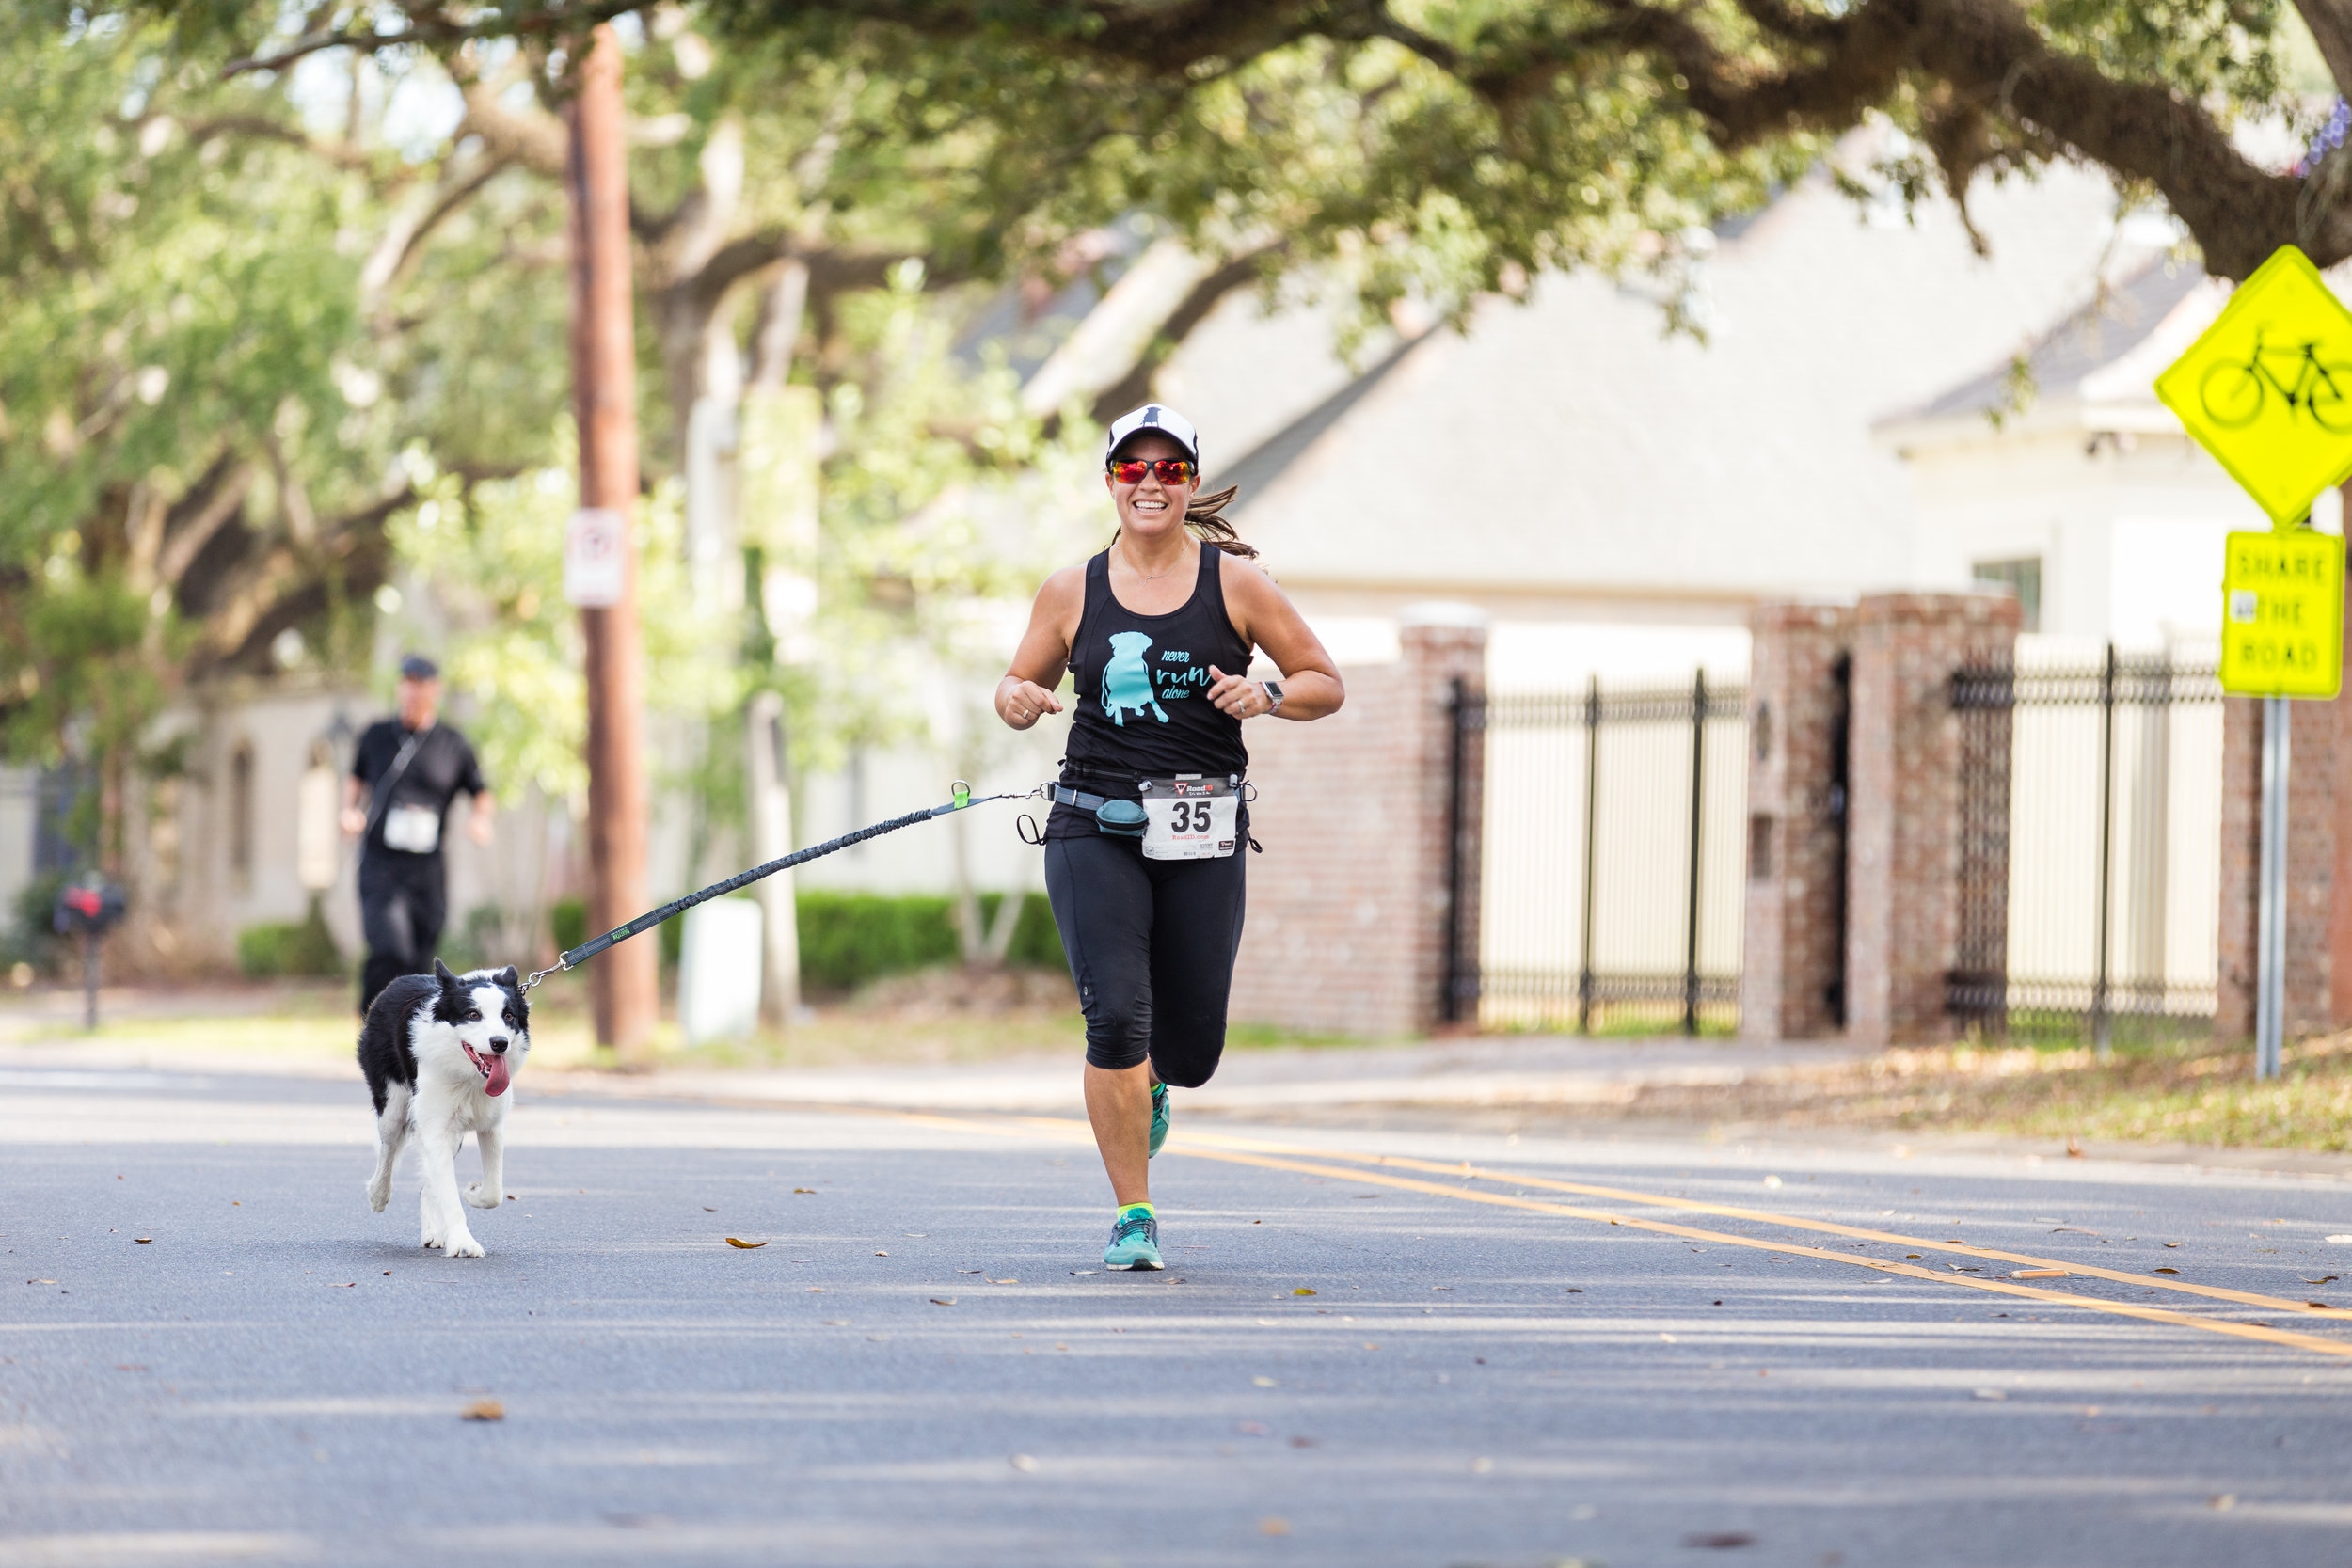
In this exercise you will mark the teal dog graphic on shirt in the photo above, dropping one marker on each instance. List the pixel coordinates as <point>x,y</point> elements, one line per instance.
<point>1127,680</point>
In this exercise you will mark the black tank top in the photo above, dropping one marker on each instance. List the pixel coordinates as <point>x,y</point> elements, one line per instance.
<point>1142,708</point>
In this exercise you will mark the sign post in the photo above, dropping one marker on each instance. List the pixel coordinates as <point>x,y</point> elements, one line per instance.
<point>2268,392</point>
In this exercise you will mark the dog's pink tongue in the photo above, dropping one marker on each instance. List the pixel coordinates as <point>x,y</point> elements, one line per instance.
<point>497,1085</point>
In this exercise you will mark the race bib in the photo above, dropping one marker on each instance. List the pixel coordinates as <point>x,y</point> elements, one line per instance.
<point>1189,818</point>
<point>415,830</point>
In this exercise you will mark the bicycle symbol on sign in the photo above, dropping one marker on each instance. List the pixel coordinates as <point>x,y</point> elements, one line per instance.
<point>2234,395</point>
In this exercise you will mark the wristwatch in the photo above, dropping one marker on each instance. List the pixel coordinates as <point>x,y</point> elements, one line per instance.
<point>1273,690</point>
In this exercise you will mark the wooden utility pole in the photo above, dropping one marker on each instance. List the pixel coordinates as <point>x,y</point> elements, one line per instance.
<point>622,981</point>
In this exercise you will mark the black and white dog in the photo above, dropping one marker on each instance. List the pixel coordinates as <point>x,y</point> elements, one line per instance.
<point>440,1052</point>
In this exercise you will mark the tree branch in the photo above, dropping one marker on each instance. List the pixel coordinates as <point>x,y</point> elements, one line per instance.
<point>2331,22</point>
<point>434,34</point>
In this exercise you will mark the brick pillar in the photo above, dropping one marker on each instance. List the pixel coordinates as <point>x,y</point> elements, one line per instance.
<point>1793,965</point>
<point>1903,842</point>
<point>1349,906</point>
<point>2319,896</point>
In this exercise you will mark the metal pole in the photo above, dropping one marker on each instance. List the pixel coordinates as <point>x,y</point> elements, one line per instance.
<point>604,396</point>
<point>1592,820</point>
<point>2100,1025</point>
<point>1449,1005</point>
<point>1691,903</point>
<point>89,981</point>
<point>2270,929</point>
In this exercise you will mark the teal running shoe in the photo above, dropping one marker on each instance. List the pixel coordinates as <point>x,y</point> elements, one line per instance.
<point>1159,1117</point>
<point>1135,1244</point>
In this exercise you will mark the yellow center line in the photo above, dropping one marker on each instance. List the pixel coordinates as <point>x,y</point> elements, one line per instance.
<point>1192,1144</point>
<point>1767,1216</point>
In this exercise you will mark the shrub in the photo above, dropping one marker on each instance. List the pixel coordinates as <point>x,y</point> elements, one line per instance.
<point>303,946</point>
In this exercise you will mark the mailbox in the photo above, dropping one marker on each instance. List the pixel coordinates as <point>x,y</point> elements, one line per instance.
<point>95,908</point>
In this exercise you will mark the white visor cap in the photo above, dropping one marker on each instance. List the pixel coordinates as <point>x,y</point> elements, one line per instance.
<point>1157,418</point>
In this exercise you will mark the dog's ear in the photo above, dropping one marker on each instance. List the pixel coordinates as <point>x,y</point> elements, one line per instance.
<point>508,976</point>
<point>440,972</point>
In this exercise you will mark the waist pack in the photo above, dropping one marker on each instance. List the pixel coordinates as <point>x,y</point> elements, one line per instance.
<point>1187,817</point>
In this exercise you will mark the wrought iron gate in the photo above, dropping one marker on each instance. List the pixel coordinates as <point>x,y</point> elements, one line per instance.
<point>1609,884</point>
<point>2090,844</point>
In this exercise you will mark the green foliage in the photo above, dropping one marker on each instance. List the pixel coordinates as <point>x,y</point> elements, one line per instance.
<point>292,947</point>
<point>848,939</point>
<point>32,935</point>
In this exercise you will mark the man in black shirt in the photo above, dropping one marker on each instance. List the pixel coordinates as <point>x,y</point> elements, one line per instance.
<point>403,774</point>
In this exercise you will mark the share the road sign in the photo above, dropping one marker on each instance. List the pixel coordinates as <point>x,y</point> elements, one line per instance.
<point>2268,388</point>
<point>2282,615</point>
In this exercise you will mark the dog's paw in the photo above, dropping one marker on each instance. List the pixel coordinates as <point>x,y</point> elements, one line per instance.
<point>480,1199</point>
<point>379,1194</point>
<point>465,1247</point>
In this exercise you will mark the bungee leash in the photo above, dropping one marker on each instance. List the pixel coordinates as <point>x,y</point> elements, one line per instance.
<point>965,801</point>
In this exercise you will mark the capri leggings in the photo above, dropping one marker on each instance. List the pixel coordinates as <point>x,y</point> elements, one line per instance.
<point>1151,946</point>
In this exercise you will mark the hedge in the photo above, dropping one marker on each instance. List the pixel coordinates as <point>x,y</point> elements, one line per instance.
<point>290,948</point>
<point>848,939</point>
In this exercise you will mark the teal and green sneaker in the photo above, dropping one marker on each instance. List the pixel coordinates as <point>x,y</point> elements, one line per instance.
<point>1159,1116</point>
<point>1135,1243</point>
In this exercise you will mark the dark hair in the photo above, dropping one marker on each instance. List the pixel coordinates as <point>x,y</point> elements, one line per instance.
<point>1204,518</point>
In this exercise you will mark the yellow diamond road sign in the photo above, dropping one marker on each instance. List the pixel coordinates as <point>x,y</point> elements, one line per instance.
<point>2282,615</point>
<point>2268,388</point>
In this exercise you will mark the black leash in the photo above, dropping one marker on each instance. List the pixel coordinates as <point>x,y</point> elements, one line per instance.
<point>589,949</point>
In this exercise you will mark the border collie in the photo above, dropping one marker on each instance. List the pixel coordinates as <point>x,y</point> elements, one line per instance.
<point>439,1051</point>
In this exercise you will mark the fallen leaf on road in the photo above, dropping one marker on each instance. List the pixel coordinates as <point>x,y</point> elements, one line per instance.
<point>2176,1243</point>
<point>1263,1381</point>
<point>2168,1271</point>
<point>709,1210</point>
<point>1073,1271</point>
<point>2322,1279</point>
<point>810,1191</point>
<point>747,1246</point>
<point>1721,1539</point>
<point>2037,1274</point>
<point>2320,1304</point>
<point>1302,1290</point>
<point>484,1410</point>
<point>967,1271</point>
<point>144,1240</point>
<point>1274,1527</point>
<point>1004,1282</point>
<point>40,1282</point>
<point>880,1254</point>
<point>346,1285</point>
<point>2074,1148</point>
<point>1024,1464</point>
<point>942,1301</point>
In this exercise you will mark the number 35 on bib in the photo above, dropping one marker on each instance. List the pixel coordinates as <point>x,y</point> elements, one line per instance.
<point>1189,817</point>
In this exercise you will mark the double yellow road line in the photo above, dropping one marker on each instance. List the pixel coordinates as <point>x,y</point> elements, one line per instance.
<point>1377,1170</point>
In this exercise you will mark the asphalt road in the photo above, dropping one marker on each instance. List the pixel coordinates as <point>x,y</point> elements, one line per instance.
<point>924,1363</point>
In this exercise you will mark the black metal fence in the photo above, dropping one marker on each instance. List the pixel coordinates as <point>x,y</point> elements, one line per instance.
<point>1610,892</point>
<point>2091,840</point>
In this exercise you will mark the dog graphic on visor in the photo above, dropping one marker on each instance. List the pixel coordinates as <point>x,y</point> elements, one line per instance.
<point>1127,680</point>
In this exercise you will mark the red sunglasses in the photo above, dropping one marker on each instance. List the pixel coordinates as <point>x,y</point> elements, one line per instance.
<point>1171,471</point>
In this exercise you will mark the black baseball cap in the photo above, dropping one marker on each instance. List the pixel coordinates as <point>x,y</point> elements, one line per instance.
<point>415,667</point>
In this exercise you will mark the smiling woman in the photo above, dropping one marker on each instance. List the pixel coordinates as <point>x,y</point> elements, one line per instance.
<point>1141,848</point>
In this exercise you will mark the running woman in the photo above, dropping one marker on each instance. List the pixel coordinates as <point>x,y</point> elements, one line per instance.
<point>1142,846</point>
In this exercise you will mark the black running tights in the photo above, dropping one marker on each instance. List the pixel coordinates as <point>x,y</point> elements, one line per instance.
<point>1151,945</point>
